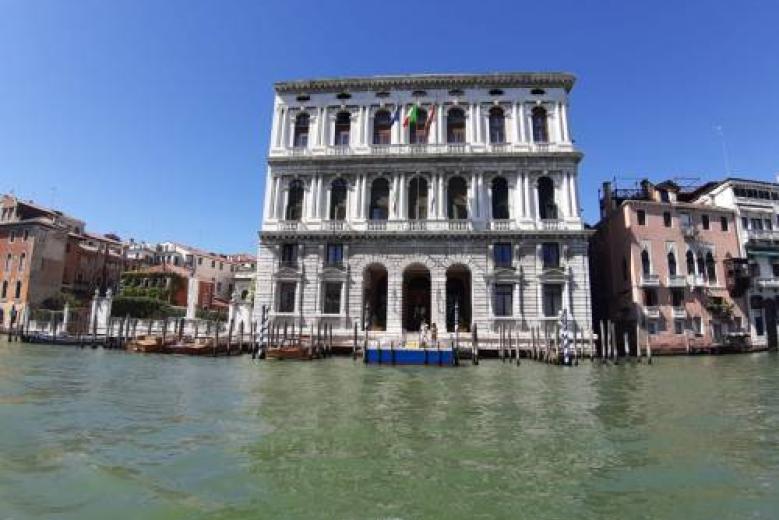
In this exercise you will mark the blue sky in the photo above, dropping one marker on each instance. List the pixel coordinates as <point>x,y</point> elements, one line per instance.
<point>151,118</point>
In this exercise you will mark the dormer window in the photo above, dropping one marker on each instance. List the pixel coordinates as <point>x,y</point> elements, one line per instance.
<point>664,197</point>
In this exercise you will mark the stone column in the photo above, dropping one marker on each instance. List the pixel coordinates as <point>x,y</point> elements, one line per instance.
<point>394,300</point>
<point>403,197</point>
<point>440,124</point>
<point>438,301</point>
<point>521,122</point>
<point>564,116</point>
<point>536,208</point>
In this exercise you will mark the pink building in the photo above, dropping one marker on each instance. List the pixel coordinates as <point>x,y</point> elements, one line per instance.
<point>669,266</point>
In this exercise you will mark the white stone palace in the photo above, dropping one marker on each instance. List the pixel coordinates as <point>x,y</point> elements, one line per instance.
<point>391,226</point>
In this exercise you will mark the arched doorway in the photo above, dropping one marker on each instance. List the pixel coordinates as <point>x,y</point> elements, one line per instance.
<point>416,297</point>
<point>374,310</point>
<point>458,290</point>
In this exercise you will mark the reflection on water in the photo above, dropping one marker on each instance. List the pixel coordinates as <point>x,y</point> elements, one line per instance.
<point>93,434</point>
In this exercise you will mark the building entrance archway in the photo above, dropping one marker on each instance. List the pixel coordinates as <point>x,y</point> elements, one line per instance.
<point>458,290</point>
<point>416,297</point>
<point>375,297</point>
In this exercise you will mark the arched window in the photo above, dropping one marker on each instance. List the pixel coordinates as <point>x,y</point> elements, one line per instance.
<point>540,130</point>
<point>455,126</point>
<point>382,127</point>
<point>8,262</point>
<point>4,293</point>
<point>301,130</point>
<point>18,292</point>
<point>457,198</point>
<point>645,266</point>
<point>338,192</point>
<point>671,263</point>
<point>497,126</point>
<point>417,133</point>
<point>546,204</point>
<point>343,125</point>
<point>295,201</point>
<point>690,262</point>
<point>701,265</point>
<point>711,270</point>
<point>244,294</point>
<point>417,199</point>
<point>379,209</point>
<point>500,198</point>
<point>22,258</point>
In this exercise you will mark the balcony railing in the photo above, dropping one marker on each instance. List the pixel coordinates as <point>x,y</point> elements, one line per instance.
<point>334,225</point>
<point>652,311</point>
<point>650,280</point>
<point>551,224</point>
<point>677,280</point>
<point>501,225</point>
<point>288,264</point>
<point>689,231</point>
<point>290,225</point>
<point>679,312</point>
<point>334,264</point>
<point>763,234</point>
<point>423,148</point>
<point>696,280</point>
<point>768,283</point>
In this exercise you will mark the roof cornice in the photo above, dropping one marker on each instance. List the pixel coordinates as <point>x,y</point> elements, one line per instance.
<point>412,81</point>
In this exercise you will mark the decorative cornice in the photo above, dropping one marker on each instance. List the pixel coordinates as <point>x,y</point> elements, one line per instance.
<point>420,81</point>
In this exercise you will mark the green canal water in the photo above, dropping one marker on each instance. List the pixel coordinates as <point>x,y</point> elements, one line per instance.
<point>93,434</point>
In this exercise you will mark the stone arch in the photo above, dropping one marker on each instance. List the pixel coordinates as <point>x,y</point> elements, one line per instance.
<point>459,295</point>
<point>375,280</point>
<point>416,296</point>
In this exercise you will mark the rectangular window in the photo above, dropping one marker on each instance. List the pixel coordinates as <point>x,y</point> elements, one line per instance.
<point>641,215</point>
<point>775,270</point>
<point>552,299</point>
<point>651,327</point>
<point>677,297</point>
<point>667,219</point>
<point>650,298</point>
<point>502,255</point>
<point>723,223</point>
<point>551,254</point>
<point>756,223</point>
<point>745,223</point>
<point>13,236</point>
<point>332,298</point>
<point>503,299</point>
<point>335,255</point>
<point>289,255</point>
<point>287,296</point>
<point>705,221</point>
<point>697,325</point>
<point>678,326</point>
<point>759,325</point>
<point>767,224</point>
<point>213,264</point>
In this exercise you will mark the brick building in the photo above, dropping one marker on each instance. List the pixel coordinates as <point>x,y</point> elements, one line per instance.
<point>669,265</point>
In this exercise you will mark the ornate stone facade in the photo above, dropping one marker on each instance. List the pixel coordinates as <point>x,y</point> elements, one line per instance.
<point>471,209</point>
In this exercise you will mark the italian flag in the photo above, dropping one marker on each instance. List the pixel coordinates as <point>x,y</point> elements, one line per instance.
<point>411,116</point>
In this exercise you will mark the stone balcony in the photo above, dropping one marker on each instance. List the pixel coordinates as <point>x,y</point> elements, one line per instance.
<point>431,225</point>
<point>652,311</point>
<point>768,283</point>
<point>696,280</point>
<point>650,280</point>
<point>384,150</point>
<point>679,312</point>
<point>762,234</point>
<point>677,280</point>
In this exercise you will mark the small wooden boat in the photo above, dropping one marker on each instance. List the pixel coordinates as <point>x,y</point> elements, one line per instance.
<point>148,344</point>
<point>292,351</point>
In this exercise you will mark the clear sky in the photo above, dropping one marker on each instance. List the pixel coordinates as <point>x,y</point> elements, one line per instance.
<point>151,118</point>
